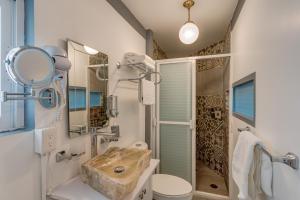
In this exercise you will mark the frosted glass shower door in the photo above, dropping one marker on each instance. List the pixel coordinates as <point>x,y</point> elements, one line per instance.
<point>175,119</point>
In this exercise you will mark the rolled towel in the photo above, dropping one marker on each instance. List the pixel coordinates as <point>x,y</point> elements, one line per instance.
<point>134,58</point>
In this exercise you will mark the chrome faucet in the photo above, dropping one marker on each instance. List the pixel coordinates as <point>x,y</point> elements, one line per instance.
<point>107,137</point>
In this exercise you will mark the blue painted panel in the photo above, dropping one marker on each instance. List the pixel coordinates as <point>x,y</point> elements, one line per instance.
<point>29,22</point>
<point>95,99</point>
<point>29,109</point>
<point>244,100</point>
<point>77,99</point>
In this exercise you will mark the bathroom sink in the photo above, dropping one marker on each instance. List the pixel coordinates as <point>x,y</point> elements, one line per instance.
<point>116,172</point>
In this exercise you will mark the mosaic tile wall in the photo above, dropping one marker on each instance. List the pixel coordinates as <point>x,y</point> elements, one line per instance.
<point>213,133</point>
<point>220,47</point>
<point>210,132</point>
<point>99,58</point>
<point>226,106</point>
<point>98,117</point>
<point>226,139</point>
<point>158,53</point>
<point>216,48</point>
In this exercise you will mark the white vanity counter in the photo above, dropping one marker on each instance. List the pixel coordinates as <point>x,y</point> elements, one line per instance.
<point>77,190</point>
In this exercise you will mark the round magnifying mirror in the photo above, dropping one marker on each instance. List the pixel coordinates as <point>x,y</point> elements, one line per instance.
<point>30,66</point>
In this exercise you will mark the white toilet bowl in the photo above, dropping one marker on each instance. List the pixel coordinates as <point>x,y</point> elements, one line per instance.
<point>167,187</point>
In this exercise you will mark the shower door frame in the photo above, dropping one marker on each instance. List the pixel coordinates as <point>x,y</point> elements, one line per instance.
<point>155,109</point>
<point>191,124</point>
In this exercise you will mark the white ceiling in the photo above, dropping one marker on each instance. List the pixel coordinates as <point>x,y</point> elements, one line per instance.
<point>165,17</point>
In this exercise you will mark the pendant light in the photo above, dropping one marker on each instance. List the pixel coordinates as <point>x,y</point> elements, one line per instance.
<point>189,32</point>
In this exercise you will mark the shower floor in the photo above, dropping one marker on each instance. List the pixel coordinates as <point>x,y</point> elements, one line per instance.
<point>209,181</point>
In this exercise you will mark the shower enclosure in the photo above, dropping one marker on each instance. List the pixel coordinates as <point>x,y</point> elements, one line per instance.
<point>176,119</point>
<point>212,94</point>
<point>190,119</point>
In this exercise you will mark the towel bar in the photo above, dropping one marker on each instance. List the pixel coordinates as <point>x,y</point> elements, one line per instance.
<point>289,159</point>
<point>143,75</point>
<point>244,129</point>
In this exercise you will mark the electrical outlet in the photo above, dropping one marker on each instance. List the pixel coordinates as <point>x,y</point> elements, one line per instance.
<point>45,140</point>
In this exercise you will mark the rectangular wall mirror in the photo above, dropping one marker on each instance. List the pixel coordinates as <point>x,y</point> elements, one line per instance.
<point>87,89</point>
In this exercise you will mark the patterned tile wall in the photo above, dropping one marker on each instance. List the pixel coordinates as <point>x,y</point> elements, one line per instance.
<point>158,52</point>
<point>216,48</point>
<point>210,132</point>
<point>98,117</point>
<point>226,106</point>
<point>220,47</point>
<point>226,138</point>
<point>213,134</point>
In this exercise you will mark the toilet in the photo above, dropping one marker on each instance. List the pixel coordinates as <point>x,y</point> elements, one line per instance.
<point>168,187</point>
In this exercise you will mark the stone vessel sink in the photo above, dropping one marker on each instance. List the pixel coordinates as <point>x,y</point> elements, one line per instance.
<point>116,172</point>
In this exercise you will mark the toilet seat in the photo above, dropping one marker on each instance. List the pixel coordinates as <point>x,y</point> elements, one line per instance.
<point>170,186</point>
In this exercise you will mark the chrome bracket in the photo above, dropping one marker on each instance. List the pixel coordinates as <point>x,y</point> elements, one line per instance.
<point>62,155</point>
<point>47,97</point>
<point>289,159</point>
<point>7,96</point>
<point>247,128</point>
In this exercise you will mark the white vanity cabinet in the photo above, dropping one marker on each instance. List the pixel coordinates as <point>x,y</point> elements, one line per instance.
<point>146,191</point>
<point>143,190</point>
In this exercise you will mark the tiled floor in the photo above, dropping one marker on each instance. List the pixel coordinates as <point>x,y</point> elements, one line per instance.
<point>200,198</point>
<point>206,177</point>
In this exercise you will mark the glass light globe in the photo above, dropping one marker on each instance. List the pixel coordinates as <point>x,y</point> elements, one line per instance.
<point>188,33</point>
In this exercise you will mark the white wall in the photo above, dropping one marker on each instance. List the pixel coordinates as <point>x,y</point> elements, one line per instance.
<point>266,40</point>
<point>96,24</point>
<point>19,168</point>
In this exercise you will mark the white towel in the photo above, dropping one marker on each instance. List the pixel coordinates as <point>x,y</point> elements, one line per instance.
<point>266,175</point>
<point>147,92</point>
<point>242,161</point>
<point>134,58</point>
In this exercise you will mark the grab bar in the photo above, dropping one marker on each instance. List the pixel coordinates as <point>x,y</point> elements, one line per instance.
<point>289,159</point>
<point>244,129</point>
